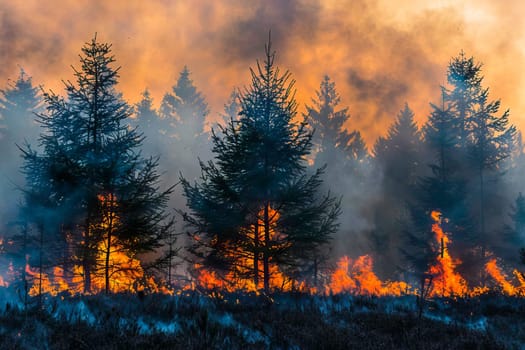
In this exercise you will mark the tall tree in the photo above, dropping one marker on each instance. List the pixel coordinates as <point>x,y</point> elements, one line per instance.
<point>491,142</point>
<point>19,102</point>
<point>103,194</point>
<point>347,166</point>
<point>398,157</point>
<point>444,188</point>
<point>232,107</point>
<point>154,128</point>
<point>257,197</point>
<point>185,111</point>
<point>464,77</point>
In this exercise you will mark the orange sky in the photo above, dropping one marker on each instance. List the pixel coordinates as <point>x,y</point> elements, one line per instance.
<point>380,53</point>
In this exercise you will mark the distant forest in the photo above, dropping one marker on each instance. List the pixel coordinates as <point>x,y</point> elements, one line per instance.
<point>110,196</point>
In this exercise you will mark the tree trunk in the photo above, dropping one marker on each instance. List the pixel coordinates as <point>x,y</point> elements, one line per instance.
<point>24,273</point>
<point>482,223</point>
<point>110,212</point>
<point>266,255</point>
<point>41,262</point>
<point>256,253</point>
<point>86,258</point>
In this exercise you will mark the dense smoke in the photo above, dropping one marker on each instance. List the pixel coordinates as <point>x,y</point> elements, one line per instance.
<point>400,48</point>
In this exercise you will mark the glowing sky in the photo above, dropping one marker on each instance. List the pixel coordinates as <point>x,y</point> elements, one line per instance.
<point>380,53</point>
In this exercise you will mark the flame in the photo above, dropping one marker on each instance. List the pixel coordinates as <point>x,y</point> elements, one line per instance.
<point>447,282</point>
<point>125,272</point>
<point>357,277</point>
<point>235,279</point>
<point>504,284</point>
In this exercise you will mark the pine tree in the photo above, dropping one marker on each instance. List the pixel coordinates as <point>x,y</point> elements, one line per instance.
<point>151,125</point>
<point>398,154</point>
<point>398,157</point>
<point>257,196</point>
<point>490,144</point>
<point>185,111</point>
<point>18,104</point>
<point>444,189</point>
<point>232,107</point>
<point>464,76</point>
<point>103,195</point>
<point>146,115</point>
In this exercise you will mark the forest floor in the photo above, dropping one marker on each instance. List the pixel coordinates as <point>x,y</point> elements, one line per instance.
<point>241,321</point>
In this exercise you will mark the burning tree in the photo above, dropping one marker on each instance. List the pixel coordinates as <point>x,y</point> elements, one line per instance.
<point>93,198</point>
<point>256,212</point>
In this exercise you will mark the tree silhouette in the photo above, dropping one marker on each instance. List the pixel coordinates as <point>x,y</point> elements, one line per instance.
<point>257,195</point>
<point>100,196</point>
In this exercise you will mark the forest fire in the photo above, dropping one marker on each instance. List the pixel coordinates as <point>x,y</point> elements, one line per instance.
<point>126,275</point>
<point>447,282</point>
<point>352,276</point>
<point>358,277</point>
<point>250,263</point>
<point>113,264</point>
<point>504,284</point>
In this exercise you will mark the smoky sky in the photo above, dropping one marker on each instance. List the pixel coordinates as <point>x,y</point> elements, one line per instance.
<point>380,53</point>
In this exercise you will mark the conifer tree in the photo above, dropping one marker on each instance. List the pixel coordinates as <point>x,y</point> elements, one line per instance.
<point>103,196</point>
<point>398,157</point>
<point>151,126</point>
<point>490,144</point>
<point>184,111</point>
<point>257,198</point>
<point>19,102</point>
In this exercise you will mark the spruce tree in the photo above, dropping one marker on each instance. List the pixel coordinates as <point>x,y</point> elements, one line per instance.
<point>19,102</point>
<point>257,197</point>
<point>104,196</point>
<point>490,144</point>
<point>398,157</point>
<point>184,113</point>
<point>151,125</point>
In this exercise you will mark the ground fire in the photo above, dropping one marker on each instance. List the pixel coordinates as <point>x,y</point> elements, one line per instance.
<point>352,276</point>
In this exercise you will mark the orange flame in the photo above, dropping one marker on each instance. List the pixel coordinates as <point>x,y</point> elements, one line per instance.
<point>350,276</point>
<point>357,277</point>
<point>507,287</point>
<point>235,279</point>
<point>447,282</point>
<point>125,272</point>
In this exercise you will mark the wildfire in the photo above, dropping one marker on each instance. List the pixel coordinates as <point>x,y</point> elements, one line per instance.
<point>358,277</point>
<point>249,263</point>
<point>507,287</point>
<point>125,272</point>
<point>354,276</point>
<point>447,282</point>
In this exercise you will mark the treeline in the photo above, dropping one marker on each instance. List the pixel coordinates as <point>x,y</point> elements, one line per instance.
<point>267,191</point>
